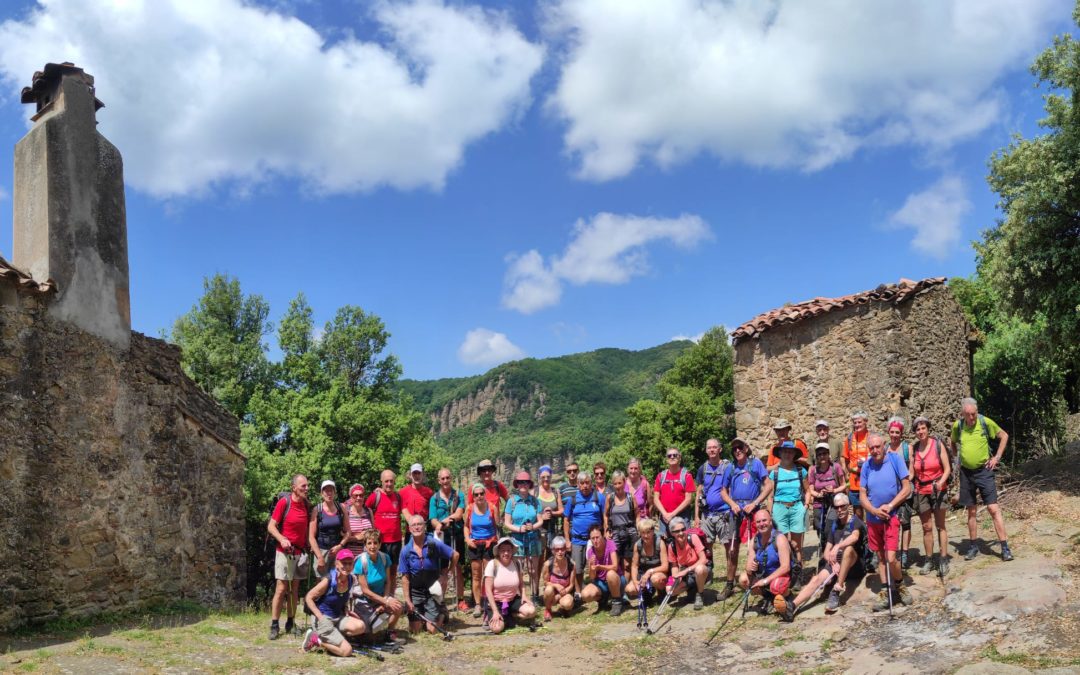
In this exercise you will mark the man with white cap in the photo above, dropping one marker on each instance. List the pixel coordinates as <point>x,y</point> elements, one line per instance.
<point>415,496</point>
<point>836,446</point>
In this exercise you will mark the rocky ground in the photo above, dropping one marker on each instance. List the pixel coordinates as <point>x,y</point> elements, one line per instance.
<point>987,617</point>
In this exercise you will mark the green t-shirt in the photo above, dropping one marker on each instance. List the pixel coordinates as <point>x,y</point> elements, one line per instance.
<point>974,447</point>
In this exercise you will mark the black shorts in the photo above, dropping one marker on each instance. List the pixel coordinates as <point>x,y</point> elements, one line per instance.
<point>481,551</point>
<point>456,541</point>
<point>976,482</point>
<point>425,603</point>
<point>393,550</point>
<point>624,544</point>
<point>511,610</point>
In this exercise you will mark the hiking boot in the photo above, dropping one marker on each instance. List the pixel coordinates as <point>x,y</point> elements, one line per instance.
<point>476,611</point>
<point>943,567</point>
<point>729,590</point>
<point>788,615</point>
<point>972,552</point>
<point>781,604</point>
<point>929,565</point>
<point>616,608</point>
<point>883,602</point>
<point>310,641</point>
<point>290,626</point>
<point>834,602</point>
<point>699,602</point>
<point>904,564</point>
<point>1006,554</point>
<point>462,606</point>
<point>275,630</point>
<point>903,594</point>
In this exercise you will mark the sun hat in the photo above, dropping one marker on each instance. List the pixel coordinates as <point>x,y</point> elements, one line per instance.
<point>783,446</point>
<point>822,446</point>
<point>821,423</point>
<point>505,540</point>
<point>484,464</point>
<point>739,441</point>
<point>523,477</point>
<point>781,424</point>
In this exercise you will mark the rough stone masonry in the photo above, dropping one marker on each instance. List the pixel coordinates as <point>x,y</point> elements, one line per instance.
<point>122,481</point>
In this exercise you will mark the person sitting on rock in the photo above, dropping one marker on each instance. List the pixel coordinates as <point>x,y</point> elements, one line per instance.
<point>328,601</point>
<point>558,578</point>
<point>649,567</point>
<point>743,490</point>
<point>605,570</point>
<point>842,559</point>
<point>768,564</point>
<point>826,479</point>
<point>504,590</point>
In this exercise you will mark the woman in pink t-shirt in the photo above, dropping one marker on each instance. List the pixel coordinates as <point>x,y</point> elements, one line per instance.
<point>504,598</point>
<point>689,566</point>
<point>605,570</point>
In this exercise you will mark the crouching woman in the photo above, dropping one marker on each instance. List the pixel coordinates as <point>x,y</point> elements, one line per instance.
<point>328,602</point>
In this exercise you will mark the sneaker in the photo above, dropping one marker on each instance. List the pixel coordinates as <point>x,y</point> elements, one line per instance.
<point>903,594</point>
<point>699,603</point>
<point>275,630</point>
<point>547,614</point>
<point>1006,554</point>
<point>616,608</point>
<point>904,564</point>
<point>972,552</point>
<point>788,615</point>
<point>310,641</point>
<point>834,602</point>
<point>943,567</point>
<point>290,626</point>
<point>729,590</point>
<point>883,602</point>
<point>781,604</point>
<point>476,611</point>
<point>929,565</point>
<point>462,606</point>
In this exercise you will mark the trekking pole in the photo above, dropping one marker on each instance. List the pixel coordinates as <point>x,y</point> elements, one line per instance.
<point>417,616</point>
<point>738,522</point>
<point>660,610</point>
<point>832,575</point>
<point>935,499</point>
<point>745,598</point>
<point>640,605</point>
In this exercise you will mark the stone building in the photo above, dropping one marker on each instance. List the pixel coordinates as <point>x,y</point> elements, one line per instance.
<point>897,349</point>
<point>122,481</point>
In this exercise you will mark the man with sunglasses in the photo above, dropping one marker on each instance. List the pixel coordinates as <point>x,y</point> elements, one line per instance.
<point>845,541</point>
<point>674,492</point>
<point>581,511</point>
<point>569,486</point>
<point>884,485</point>
<point>600,484</point>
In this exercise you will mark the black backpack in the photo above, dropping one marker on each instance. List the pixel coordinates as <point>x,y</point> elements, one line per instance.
<point>284,514</point>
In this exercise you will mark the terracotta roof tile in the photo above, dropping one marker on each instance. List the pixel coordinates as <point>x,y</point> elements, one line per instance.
<point>894,293</point>
<point>23,280</point>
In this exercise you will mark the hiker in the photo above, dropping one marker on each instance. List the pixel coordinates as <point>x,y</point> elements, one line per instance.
<point>689,564</point>
<point>836,446</point>
<point>638,486</point>
<point>360,519</point>
<point>621,517</point>
<point>600,483</point>
<point>768,564</point>
<point>782,429</point>
<point>561,585</point>
<point>649,566</point>
<point>894,427</point>
<point>673,492</point>
<point>480,537</point>
<point>327,529</point>
<point>711,513</point>
<point>583,510</point>
<point>494,490</point>
<point>550,506</point>
<point>742,489</point>
<point>931,469</point>
<point>416,495</point>
<point>447,510</point>
<point>328,602</point>
<point>419,565</point>
<point>855,453</point>
<point>524,521</point>
<point>288,526</point>
<point>842,560</point>
<point>607,579</point>
<point>971,437</point>
<point>826,479</point>
<point>504,590</point>
<point>385,504</point>
<point>884,485</point>
<point>376,585</point>
<point>569,486</point>
<point>789,501</point>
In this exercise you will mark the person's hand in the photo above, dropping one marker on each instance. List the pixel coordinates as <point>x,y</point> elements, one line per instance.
<point>470,542</point>
<point>751,564</point>
<point>940,484</point>
<point>831,556</point>
<point>886,509</point>
<point>736,509</point>
<point>394,605</point>
<point>287,545</point>
<point>334,549</point>
<point>322,561</point>
<point>992,463</point>
<point>761,583</point>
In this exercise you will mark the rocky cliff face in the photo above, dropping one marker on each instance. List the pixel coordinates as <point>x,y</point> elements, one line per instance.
<point>494,396</point>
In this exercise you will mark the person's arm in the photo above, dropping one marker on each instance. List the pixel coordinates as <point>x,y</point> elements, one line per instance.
<point>433,522</point>
<point>272,526</point>
<point>508,523</point>
<point>864,502</point>
<point>316,592</point>
<point>1003,440</point>
<point>634,565</point>
<point>468,531</point>
<point>751,556</point>
<point>783,551</point>
<point>313,522</point>
<point>660,511</point>
<point>459,512</point>
<point>767,489</point>
<point>665,564</point>
<point>699,494</point>
<point>566,521</point>
<point>405,592</point>
<point>806,491</point>
<point>842,485</point>
<point>946,466</point>
<point>489,586</point>
<point>346,526</point>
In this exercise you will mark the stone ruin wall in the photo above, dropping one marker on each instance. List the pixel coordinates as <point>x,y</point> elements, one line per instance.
<point>122,481</point>
<point>909,359</point>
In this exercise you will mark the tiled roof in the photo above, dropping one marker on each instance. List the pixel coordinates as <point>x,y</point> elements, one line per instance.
<point>894,293</point>
<point>23,280</point>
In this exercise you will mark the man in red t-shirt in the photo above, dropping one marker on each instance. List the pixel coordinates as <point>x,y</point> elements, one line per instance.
<point>289,527</point>
<point>495,492</point>
<point>673,491</point>
<point>414,497</point>
<point>385,504</point>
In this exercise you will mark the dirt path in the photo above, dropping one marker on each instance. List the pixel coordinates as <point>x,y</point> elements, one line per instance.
<point>1014,617</point>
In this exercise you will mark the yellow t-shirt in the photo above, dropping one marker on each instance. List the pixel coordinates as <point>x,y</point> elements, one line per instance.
<point>974,446</point>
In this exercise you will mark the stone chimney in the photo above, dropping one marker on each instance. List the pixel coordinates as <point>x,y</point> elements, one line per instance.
<point>69,222</point>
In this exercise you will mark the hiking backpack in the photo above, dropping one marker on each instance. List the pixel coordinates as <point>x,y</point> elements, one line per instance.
<point>705,471</point>
<point>955,435</point>
<point>775,474</point>
<point>683,475</point>
<point>286,495</point>
<point>594,497</point>
<point>705,543</point>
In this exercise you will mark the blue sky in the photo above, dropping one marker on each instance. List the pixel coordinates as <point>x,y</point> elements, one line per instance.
<point>548,178</point>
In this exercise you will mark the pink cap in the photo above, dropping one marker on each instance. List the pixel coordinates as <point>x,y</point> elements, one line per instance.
<point>345,554</point>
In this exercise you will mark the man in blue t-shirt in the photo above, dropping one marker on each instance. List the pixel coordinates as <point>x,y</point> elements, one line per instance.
<point>884,484</point>
<point>418,569</point>
<point>582,510</point>
<point>711,513</point>
<point>741,488</point>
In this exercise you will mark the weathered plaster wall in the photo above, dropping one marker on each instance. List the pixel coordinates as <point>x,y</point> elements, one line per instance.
<point>121,480</point>
<point>910,359</point>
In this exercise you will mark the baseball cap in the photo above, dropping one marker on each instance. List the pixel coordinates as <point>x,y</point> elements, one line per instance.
<point>327,483</point>
<point>416,467</point>
<point>821,423</point>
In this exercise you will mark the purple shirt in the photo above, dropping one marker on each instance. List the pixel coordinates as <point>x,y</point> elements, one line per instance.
<point>605,559</point>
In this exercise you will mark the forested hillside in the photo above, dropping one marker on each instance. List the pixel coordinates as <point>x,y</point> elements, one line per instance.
<point>541,407</point>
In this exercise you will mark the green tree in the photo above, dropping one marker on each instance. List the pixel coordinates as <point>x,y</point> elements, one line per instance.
<point>221,339</point>
<point>1032,256</point>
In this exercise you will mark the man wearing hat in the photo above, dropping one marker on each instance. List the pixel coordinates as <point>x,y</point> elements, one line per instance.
<point>855,453</point>
<point>783,434</point>
<point>836,446</point>
<point>415,496</point>
<point>495,491</point>
<point>743,488</point>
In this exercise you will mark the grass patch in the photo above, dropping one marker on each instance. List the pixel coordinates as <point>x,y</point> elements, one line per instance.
<point>789,654</point>
<point>142,616</point>
<point>209,629</point>
<point>1029,660</point>
<point>826,644</point>
<point>88,645</point>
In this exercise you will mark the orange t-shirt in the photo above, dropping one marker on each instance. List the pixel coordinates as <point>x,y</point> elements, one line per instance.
<point>687,555</point>
<point>802,453</point>
<point>852,455</point>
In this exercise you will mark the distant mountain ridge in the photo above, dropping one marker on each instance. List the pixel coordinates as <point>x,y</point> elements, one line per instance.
<point>541,408</point>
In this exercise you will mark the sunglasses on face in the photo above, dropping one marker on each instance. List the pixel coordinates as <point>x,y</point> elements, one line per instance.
<point>478,494</point>
<point>672,456</point>
<point>598,473</point>
<point>571,471</point>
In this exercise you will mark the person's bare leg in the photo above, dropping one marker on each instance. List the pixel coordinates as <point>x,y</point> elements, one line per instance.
<point>477,571</point>
<point>973,523</point>
<point>926,520</point>
<point>943,535</point>
<point>614,585</point>
<point>279,597</point>
<point>999,521</point>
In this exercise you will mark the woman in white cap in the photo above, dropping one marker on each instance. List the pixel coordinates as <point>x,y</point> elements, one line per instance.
<point>504,589</point>
<point>328,529</point>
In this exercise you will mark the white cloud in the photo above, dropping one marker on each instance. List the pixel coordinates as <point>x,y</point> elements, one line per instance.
<point>608,249</point>
<point>483,347</point>
<point>201,93</point>
<point>782,83</point>
<point>935,214</point>
<point>691,338</point>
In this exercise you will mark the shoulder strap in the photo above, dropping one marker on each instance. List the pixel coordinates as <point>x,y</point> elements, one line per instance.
<point>986,432</point>
<point>364,559</point>
<point>682,477</point>
<point>511,503</point>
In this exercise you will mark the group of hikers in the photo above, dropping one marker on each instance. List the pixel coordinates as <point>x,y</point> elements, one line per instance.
<point>621,539</point>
